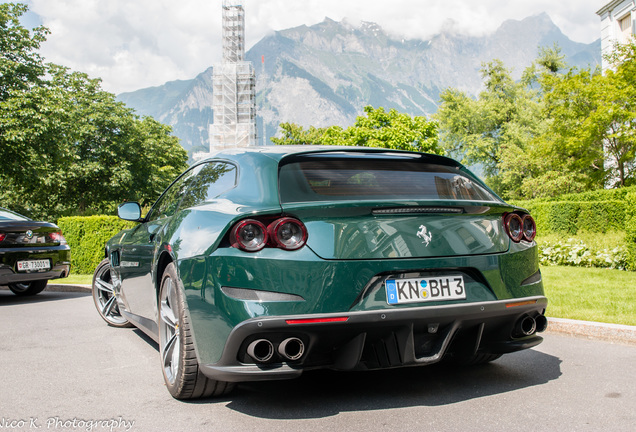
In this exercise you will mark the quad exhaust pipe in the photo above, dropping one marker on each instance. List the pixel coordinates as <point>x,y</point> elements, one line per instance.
<point>262,350</point>
<point>291,348</point>
<point>542,323</point>
<point>527,325</point>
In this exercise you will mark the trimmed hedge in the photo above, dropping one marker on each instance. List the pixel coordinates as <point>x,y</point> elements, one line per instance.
<point>630,231</point>
<point>87,235</point>
<point>596,211</point>
<point>570,217</point>
<point>619,194</point>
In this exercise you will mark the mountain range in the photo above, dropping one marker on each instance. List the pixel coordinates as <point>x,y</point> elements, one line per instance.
<point>325,74</point>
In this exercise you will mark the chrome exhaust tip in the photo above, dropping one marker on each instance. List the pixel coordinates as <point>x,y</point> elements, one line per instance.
<point>261,350</point>
<point>526,326</point>
<point>542,323</point>
<point>291,348</point>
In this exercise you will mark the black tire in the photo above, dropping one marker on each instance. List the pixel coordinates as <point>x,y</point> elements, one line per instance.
<point>105,297</point>
<point>179,363</point>
<point>28,288</point>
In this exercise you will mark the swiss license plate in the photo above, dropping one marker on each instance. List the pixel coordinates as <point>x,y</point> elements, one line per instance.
<point>438,288</point>
<point>34,265</point>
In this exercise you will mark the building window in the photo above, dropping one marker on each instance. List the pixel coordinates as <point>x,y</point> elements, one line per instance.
<point>625,25</point>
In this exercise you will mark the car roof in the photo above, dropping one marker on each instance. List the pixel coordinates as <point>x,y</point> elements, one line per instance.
<point>280,152</point>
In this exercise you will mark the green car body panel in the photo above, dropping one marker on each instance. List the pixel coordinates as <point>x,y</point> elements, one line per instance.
<point>353,247</point>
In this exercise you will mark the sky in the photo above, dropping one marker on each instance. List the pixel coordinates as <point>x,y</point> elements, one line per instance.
<point>133,44</point>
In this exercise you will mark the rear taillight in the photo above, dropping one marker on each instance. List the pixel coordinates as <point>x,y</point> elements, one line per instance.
<point>520,226</point>
<point>252,235</point>
<point>529,228</point>
<point>249,235</point>
<point>57,237</point>
<point>514,226</point>
<point>288,233</point>
<point>2,236</point>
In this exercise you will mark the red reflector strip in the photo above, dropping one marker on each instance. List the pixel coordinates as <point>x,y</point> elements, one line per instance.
<point>523,303</point>
<point>316,320</point>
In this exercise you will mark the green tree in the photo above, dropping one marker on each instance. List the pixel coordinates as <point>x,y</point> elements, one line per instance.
<point>591,131</point>
<point>20,63</point>
<point>614,119</point>
<point>550,133</point>
<point>550,61</point>
<point>378,128</point>
<point>294,134</point>
<point>570,162</point>
<point>546,164</point>
<point>492,131</point>
<point>68,147</point>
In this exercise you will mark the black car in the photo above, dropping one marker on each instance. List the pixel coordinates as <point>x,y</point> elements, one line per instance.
<point>31,253</point>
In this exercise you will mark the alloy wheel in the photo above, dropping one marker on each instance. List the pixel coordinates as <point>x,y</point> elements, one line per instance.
<point>170,345</point>
<point>105,297</point>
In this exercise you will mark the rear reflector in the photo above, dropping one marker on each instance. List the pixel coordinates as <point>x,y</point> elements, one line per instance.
<point>522,303</point>
<point>316,320</point>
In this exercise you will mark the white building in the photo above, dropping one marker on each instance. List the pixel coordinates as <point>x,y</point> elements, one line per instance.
<point>617,24</point>
<point>234,102</point>
<point>233,82</point>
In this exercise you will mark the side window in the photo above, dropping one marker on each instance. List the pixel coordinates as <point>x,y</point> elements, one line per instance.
<point>210,181</point>
<point>168,203</point>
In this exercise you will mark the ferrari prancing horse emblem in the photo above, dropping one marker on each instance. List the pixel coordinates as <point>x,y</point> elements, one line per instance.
<point>425,235</point>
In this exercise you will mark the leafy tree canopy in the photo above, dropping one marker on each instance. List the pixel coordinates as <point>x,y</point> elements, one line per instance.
<point>67,146</point>
<point>20,63</point>
<point>555,131</point>
<point>378,128</point>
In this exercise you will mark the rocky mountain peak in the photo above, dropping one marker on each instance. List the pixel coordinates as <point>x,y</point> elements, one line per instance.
<point>326,73</point>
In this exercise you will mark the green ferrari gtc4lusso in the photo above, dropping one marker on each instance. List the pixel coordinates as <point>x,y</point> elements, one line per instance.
<point>264,262</point>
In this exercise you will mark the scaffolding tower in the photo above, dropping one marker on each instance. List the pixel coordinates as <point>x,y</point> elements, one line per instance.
<point>234,83</point>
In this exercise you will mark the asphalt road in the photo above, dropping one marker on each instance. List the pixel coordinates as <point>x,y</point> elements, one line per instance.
<point>65,369</point>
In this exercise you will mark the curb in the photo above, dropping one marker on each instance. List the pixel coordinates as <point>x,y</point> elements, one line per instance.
<point>616,333</point>
<point>68,288</point>
<point>60,288</point>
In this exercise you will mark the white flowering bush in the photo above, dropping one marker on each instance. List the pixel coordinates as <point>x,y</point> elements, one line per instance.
<point>576,253</point>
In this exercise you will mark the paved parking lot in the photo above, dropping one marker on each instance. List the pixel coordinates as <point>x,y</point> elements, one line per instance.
<point>64,369</point>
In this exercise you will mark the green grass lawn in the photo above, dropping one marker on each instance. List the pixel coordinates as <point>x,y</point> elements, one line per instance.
<point>74,279</point>
<point>589,294</point>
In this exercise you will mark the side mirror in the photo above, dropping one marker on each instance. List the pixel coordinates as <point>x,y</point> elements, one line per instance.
<point>130,211</point>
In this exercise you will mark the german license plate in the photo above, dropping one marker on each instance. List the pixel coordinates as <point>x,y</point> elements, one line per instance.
<point>438,288</point>
<point>32,265</point>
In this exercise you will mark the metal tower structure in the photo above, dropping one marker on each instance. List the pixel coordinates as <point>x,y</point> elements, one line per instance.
<point>234,83</point>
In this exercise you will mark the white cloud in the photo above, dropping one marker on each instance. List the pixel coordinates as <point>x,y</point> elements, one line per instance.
<point>133,44</point>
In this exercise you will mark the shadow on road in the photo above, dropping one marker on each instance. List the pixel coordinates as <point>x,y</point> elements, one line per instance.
<point>8,298</point>
<point>150,341</point>
<point>326,393</point>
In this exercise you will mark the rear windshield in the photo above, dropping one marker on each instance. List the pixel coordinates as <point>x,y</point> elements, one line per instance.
<point>330,179</point>
<point>9,215</point>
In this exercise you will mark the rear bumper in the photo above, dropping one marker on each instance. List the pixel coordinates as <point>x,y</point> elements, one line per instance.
<point>378,339</point>
<point>60,259</point>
